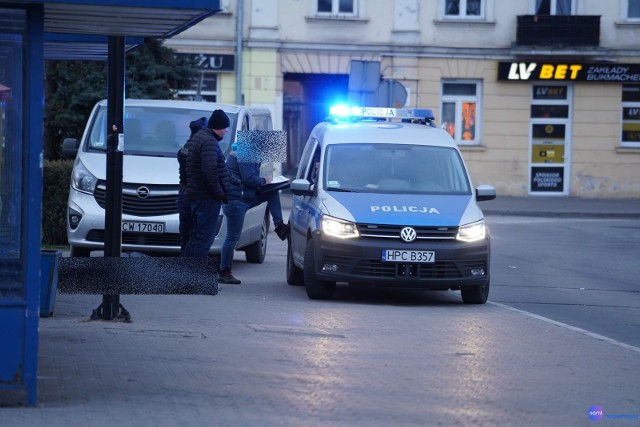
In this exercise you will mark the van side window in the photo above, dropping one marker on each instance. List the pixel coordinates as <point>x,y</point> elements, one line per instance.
<point>314,167</point>
<point>304,160</point>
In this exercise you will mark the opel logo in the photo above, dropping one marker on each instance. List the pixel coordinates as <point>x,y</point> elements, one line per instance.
<point>143,192</point>
<point>408,234</point>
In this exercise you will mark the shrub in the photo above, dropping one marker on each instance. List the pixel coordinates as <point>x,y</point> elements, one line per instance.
<point>55,192</point>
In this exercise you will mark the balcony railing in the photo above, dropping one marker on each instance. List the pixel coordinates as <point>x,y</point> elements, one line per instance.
<point>558,30</point>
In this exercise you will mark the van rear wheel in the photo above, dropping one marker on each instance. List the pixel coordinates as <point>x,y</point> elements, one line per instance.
<point>316,288</point>
<point>475,294</point>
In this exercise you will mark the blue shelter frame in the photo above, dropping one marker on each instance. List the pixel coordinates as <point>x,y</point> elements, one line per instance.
<point>30,32</point>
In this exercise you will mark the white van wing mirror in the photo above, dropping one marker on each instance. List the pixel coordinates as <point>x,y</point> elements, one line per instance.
<point>69,148</point>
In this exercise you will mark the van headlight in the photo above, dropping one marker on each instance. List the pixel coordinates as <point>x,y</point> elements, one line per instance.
<point>472,232</point>
<point>83,180</point>
<point>338,227</point>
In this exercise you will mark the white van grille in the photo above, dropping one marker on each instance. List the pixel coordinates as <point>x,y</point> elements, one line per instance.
<point>156,199</point>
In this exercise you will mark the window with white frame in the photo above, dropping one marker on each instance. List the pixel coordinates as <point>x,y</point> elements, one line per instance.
<point>464,9</point>
<point>203,88</point>
<point>554,7</point>
<point>630,136</point>
<point>337,7</point>
<point>460,113</point>
<point>633,10</point>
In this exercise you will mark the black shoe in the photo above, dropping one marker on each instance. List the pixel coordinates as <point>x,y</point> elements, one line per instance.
<point>282,230</point>
<point>227,278</point>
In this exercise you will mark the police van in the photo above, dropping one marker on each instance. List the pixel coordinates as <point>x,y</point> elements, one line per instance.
<point>154,131</point>
<point>383,198</point>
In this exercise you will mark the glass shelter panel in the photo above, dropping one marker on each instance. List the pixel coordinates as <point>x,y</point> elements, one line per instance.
<point>11,149</point>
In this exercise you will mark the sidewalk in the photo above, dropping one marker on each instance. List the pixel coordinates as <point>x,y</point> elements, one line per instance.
<point>573,207</point>
<point>549,206</point>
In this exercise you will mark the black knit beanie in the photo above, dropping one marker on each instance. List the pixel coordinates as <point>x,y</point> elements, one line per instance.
<point>219,120</point>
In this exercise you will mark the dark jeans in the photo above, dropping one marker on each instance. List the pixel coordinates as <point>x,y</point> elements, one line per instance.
<point>234,212</point>
<point>186,224</point>
<point>204,216</point>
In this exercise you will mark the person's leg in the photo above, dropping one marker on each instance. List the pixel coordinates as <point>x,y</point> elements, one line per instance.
<point>204,214</point>
<point>234,212</point>
<point>273,204</point>
<point>184,215</point>
<point>275,209</point>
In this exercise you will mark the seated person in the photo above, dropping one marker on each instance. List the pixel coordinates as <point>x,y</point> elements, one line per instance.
<point>243,195</point>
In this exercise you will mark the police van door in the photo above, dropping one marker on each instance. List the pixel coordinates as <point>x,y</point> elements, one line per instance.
<point>550,139</point>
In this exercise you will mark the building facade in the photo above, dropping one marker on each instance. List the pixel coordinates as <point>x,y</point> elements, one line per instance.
<point>542,96</point>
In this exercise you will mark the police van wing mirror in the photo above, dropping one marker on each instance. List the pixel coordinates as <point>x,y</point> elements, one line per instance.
<point>301,187</point>
<point>485,192</point>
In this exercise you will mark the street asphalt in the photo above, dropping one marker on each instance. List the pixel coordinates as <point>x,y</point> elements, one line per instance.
<point>262,354</point>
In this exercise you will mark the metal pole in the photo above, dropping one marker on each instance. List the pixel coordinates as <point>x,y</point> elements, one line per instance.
<point>113,212</point>
<point>239,29</point>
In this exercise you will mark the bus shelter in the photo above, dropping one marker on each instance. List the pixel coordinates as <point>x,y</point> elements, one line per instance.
<point>32,31</point>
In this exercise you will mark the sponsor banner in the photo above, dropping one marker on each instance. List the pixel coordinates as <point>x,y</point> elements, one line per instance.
<point>569,71</point>
<point>547,179</point>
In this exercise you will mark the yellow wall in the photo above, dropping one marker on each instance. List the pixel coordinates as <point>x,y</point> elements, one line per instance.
<point>598,167</point>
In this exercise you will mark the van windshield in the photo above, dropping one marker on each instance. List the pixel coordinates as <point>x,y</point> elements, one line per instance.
<point>153,131</point>
<point>394,168</point>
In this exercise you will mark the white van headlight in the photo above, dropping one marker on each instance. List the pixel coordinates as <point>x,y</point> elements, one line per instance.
<point>338,227</point>
<point>472,232</point>
<point>83,180</point>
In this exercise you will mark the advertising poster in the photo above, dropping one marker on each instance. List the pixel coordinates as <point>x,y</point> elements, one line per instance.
<point>547,179</point>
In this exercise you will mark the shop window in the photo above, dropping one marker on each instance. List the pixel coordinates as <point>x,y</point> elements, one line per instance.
<point>630,136</point>
<point>337,8</point>
<point>464,9</point>
<point>461,111</point>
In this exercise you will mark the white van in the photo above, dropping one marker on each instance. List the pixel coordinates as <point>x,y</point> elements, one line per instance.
<point>154,131</point>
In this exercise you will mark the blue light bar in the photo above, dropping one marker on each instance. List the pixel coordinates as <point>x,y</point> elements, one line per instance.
<point>346,112</point>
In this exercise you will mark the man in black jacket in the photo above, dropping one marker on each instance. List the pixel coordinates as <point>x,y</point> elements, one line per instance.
<point>207,183</point>
<point>184,210</point>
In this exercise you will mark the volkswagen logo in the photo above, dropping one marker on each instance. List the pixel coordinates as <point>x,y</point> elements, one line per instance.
<point>143,192</point>
<point>408,234</point>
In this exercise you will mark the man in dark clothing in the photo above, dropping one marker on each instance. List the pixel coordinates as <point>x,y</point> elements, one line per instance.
<point>207,183</point>
<point>184,210</point>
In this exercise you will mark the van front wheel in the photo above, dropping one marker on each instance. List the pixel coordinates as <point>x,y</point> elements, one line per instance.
<point>475,294</point>
<point>316,288</point>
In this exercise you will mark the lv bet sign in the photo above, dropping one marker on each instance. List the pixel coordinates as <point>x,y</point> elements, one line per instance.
<point>568,71</point>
